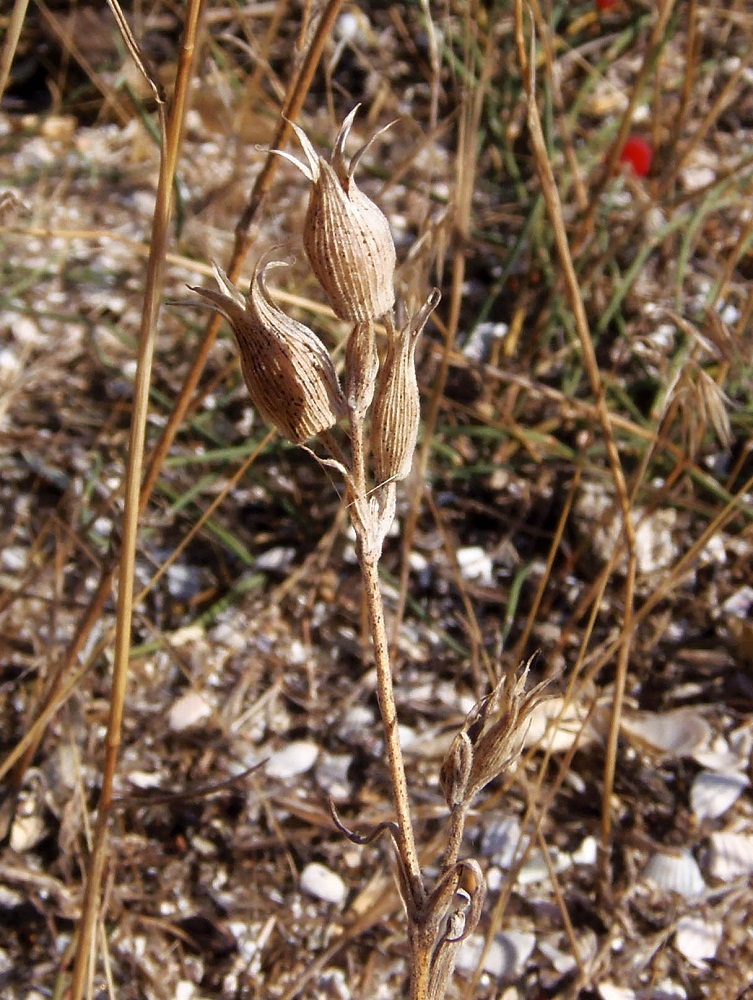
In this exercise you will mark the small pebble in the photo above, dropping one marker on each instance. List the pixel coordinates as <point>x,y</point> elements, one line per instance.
<point>277,558</point>
<point>322,883</point>
<point>475,565</point>
<point>188,711</point>
<point>505,959</point>
<point>26,832</point>
<point>296,758</point>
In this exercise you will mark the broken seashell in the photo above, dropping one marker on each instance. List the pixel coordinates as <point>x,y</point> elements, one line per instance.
<point>698,939</point>
<point>555,725</point>
<point>675,873</point>
<point>712,794</point>
<point>505,960</point>
<point>679,733</point>
<point>731,855</point>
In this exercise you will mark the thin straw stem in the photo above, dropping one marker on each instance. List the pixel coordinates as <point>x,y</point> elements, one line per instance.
<point>171,133</point>
<point>388,710</point>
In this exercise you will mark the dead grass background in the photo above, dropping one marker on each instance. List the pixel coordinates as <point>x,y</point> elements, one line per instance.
<point>512,531</point>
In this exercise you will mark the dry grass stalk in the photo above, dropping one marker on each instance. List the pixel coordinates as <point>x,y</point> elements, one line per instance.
<point>554,208</point>
<point>294,386</point>
<point>171,134</point>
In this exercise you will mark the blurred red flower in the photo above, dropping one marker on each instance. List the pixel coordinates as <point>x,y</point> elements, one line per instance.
<point>638,153</point>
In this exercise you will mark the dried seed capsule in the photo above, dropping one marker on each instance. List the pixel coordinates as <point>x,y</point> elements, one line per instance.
<point>456,769</point>
<point>361,367</point>
<point>288,372</point>
<point>396,414</point>
<point>346,237</point>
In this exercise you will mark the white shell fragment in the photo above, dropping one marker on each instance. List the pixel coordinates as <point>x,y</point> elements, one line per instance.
<point>676,873</point>
<point>739,604</point>
<point>501,841</point>
<point>608,991</point>
<point>332,774</point>
<point>697,939</point>
<point>506,958</point>
<point>654,532</point>
<point>535,868</point>
<point>731,855</point>
<point>322,883</point>
<point>587,851</point>
<point>475,565</point>
<point>296,758</point>
<point>712,794</point>
<point>679,733</point>
<point>188,711</point>
<point>26,832</point>
<point>719,756</point>
<point>655,547</point>
<point>277,558</point>
<point>555,726</point>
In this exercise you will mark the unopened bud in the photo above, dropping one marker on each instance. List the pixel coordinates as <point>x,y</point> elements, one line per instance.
<point>288,372</point>
<point>346,237</point>
<point>396,415</point>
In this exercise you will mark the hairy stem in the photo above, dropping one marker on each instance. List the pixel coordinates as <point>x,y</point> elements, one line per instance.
<point>454,837</point>
<point>386,695</point>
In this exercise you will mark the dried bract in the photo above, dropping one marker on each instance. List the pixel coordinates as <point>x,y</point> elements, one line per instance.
<point>347,238</point>
<point>288,372</point>
<point>456,770</point>
<point>495,731</point>
<point>394,424</point>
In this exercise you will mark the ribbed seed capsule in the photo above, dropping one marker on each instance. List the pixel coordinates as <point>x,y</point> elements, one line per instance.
<point>396,413</point>
<point>288,372</point>
<point>346,237</point>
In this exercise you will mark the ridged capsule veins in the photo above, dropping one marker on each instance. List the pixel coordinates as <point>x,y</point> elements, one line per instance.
<point>288,372</point>
<point>396,414</point>
<point>346,237</point>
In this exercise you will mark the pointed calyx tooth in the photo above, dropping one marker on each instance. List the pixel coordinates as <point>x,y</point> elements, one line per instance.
<point>288,372</point>
<point>346,237</point>
<point>396,414</point>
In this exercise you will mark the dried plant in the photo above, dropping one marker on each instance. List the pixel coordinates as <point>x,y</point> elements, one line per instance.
<point>293,384</point>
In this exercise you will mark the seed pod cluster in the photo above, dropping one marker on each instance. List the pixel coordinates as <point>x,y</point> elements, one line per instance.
<point>287,369</point>
<point>289,374</point>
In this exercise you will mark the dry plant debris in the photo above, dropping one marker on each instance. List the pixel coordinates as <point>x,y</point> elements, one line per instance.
<point>249,702</point>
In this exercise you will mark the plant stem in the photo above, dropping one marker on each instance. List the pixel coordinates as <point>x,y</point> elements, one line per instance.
<point>420,973</point>
<point>386,696</point>
<point>171,131</point>
<point>454,838</point>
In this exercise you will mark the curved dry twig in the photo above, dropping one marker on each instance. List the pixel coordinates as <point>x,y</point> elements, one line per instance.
<point>388,826</point>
